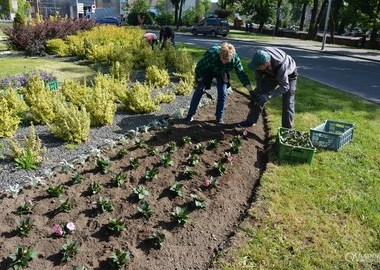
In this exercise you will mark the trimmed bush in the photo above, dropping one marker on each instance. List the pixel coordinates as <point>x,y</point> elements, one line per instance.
<point>157,77</point>
<point>138,99</point>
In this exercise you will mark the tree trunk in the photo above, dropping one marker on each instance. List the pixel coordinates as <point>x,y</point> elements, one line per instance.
<point>302,21</point>
<point>279,2</point>
<point>319,19</point>
<point>261,27</point>
<point>179,23</point>
<point>176,14</point>
<point>314,12</point>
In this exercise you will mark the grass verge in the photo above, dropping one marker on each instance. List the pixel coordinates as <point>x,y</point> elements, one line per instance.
<point>323,216</point>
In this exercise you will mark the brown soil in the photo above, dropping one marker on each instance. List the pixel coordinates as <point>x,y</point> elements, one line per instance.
<point>192,246</point>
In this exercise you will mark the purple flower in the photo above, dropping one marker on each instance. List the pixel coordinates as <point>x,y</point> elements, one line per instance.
<point>57,230</point>
<point>207,183</point>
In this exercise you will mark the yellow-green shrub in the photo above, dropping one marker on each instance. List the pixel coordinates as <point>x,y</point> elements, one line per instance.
<point>15,103</point>
<point>9,120</point>
<point>101,106</point>
<point>75,92</point>
<point>167,97</point>
<point>157,77</point>
<point>138,99</point>
<point>184,63</point>
<point>185,86</point>
<point>72,125</point>
<point>117,88</point>
<point>158,59</point>
<point>40,100</point>
<point>121,69</point>
<point>141,55</point>
<point>31,144</point>
<point>57,46</point>
<point>169,53</point>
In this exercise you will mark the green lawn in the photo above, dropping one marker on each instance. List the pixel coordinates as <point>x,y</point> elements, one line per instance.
<point>319,216</point>
<point>241,34</point>
<point>61,69</point>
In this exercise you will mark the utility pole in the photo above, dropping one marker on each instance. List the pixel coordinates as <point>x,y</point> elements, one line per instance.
<point>326,25</point>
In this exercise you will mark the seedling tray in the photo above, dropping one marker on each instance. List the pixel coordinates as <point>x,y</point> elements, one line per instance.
<point>294,150</point>
<point>332,134</point>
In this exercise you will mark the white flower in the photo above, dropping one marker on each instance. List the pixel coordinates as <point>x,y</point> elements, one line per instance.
<point>70,226</point>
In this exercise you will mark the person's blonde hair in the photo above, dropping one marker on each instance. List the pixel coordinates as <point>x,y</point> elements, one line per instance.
<point>227,51</point>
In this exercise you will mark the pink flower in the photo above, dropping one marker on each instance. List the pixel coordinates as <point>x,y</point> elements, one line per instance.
<point>207,183</point>
<point>58,230</point>
<point>245,133</point>
<point>29,202</point>
<point>70,226</point>
<point>228,156</point>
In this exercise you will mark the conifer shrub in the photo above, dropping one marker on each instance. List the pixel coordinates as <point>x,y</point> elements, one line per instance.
<point>15,102</point>
<point>184,63</point>
<point>121,69</point>
<point>31,146</point>
<point>169,53</point>
<point>167,97</point>
<point>101,106</point>
<point>138,99</point>
<point>185,86</point>
<point>57,46</point>
<point>75,92</point>
<point>72,124</point>
<point>40,100</point>
<point>141,55</point>
<point>9,120</point>
<point>115,87</point>
<point>157,77</point>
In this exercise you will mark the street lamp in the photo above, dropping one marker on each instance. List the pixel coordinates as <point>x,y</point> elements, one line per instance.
<point>326,25</point>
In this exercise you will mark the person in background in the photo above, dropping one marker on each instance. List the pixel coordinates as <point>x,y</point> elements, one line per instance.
<point>276,75</point>
<point>151,38</point>
<point>217,62</point>
<point>166,35</point>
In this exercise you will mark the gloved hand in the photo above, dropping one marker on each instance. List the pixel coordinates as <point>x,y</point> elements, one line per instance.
<point>263,99</point>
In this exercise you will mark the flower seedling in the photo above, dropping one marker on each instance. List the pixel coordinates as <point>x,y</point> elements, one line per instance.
<point>198,201</point>
<point>60,230</point>
<point>103,164</point>
<point>140,143</point>
<point>186,140</point>
<point>66,166</point>
<point>176,188</point>
<point>236,143</point>
<point>118,179</point>
<point>189,173</point>
<point>157,238</point>
<point>220,167</point>
<point>199,149</point>
<point>140,192</point>
<point>171,148</point>
<point>211,183</point>
<point>25,208</point>
<point>22,257</point>
<point>55,191</point>
<point>122,153</point>
<point>152,151</point>
<point>24,226</point>
<point>81,159</point>
<point>66,206</point>
<point>110,143</point>
<point>150,174</point>
<point>134,162</point>
<point>120,258</point>
<point>69,250</point>
<point>145,210</point>
<point>193,159</point>
<point>228,157</point>
<point>26,161</point>
<point>180,215</point>
<point>213,144</point>
<point>94,188</point>
<point>166,160</point>
<point>76,267</point>
<point>34,181</point>
<point>104,205</point>
<point>77,178</point>
<point>245,134</point>
<point>117,225</point>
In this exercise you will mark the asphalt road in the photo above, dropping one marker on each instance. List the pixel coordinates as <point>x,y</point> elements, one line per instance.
<point>355,76</point>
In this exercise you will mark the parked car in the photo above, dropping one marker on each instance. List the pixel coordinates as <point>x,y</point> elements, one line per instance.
<point>211,26</point>
<point>108,20</point>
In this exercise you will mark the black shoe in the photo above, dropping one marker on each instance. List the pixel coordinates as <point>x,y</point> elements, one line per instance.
<point>245,124</point>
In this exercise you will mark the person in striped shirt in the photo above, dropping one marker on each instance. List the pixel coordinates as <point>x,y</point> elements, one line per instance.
<point>217,62</point>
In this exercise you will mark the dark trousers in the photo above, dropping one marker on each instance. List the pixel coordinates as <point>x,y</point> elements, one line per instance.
<point>267,84</point>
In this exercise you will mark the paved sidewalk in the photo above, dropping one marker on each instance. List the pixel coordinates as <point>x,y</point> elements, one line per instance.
<point>366,54</point>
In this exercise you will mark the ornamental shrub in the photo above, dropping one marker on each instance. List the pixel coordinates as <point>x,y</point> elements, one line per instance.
<point>40,100</point>
<point>184,63</point>
<point>75,92</point>
<point>72,125</point>
<point>101,106</point>
<point>57,46</point>
<point>15,102</point>
<point>167,97</point>
<point>157,77</point>
<point>116,88</point>
<point>9,120</point>
<point>121,69</point>
<point>138,99</point>
<point>185,85</point>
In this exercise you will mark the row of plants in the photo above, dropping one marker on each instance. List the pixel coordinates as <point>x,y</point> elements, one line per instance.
<point>130,150</point>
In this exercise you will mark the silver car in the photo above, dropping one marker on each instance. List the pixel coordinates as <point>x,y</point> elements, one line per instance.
<point>211,26</point>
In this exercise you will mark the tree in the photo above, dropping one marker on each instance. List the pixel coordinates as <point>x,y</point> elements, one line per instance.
<point>262,11</point>
<point>302,4</point>
<point>313,19</point>
<point>176,7</point>
<point>369,15</point>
